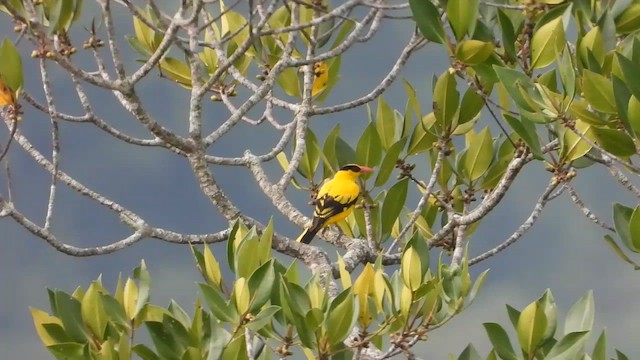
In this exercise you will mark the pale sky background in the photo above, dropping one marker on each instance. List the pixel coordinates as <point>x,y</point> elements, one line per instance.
<point>564,251</point>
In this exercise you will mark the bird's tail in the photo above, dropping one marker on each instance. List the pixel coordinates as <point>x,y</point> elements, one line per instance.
<point>309,233</point>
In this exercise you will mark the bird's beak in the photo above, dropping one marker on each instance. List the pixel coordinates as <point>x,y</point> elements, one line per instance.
<point>365,169</point>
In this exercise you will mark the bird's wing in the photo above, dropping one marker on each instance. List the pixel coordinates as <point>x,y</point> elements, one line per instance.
<point>335,197</point>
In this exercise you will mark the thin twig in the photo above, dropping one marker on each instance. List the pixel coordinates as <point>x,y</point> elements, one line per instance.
<point>537,210</point>
<point>425,196</point>
<point>585,210</point>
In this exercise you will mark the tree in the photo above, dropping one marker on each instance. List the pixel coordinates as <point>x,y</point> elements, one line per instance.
<point>565,99</point>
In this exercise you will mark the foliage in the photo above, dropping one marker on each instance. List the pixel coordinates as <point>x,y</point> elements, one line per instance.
<point>536,328</point>
<point>266,300</point>
<point>558,78</point>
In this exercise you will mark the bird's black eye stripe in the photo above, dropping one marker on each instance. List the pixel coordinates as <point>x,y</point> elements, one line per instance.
<point>351,167</point>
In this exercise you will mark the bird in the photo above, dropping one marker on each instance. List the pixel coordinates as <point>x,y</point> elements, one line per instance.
<point>335,200</point>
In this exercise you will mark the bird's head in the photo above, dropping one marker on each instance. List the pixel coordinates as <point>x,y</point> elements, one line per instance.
<point>353,170</point>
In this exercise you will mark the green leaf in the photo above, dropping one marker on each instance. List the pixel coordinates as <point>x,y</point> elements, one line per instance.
<point>462,15</point>
<point>531,327</point>
<point>11,66</point>
<point>260,285</point>
<point>598,91</point>
<point>138,46</point>
<point>500,341</point>
<point>392,206</point>
<point>526,130</point>
<point>600,348</point>
<point>232,22</point>
<point>469,353</point>
<point>329,150</point>
<point>175,329</point>
<point>290,82</point>
<point>634,230</point>
<point>581,314</point>
<point>569,347</point>
<point>411,266</point>
<point>592,41</point>
<point>428,20</point>
<point>473,52</point>
<point>60,15</point>
<point>166,345</point>
<point>341,316</point>
<point>479,154</point>
<point>548,304</point>
<point>236,349</point>
<point>219,306</point>
<point>566,67</point>
<point>470,106</point>
<point>266,239</point>
<point>144,34</point>
<point>477,285</point>
<point>93,312</point>
<point>176,70</point>
<point>446,99</point>
<point>68,309</point>
<point>69,350</point>
<point>631,74</point>
<point>311,156</point>
<point>621,221</point>
<point>513,81</point>
<point>508,35</point>
<point>389,162</point>
<point>144,352</point>
<point>217,341</point>
<point>369,148</point>
<point>412,98</point>
<point>421,140</point>
<point>386,124</point>
<point>49,328</point>
<point>615,141</point>
<point>264,317</point>
<point>344,152</point>
<point>546,43</point>
<point>629,20</point>
<point>573,146</point>
<point>619,252</point>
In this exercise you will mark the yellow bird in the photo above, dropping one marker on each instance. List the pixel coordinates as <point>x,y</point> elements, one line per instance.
<point>335,200</point>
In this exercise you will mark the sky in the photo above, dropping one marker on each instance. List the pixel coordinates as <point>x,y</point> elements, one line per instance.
<point>563,252</point>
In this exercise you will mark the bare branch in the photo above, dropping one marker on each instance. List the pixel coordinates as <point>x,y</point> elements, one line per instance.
<point>585,210</point>
<point>384,84</point>
<point>537,210</point>
<point>111,36</point>
<point>487,204</point>
<point>55,143</point>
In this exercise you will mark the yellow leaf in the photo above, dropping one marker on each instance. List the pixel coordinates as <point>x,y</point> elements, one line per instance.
<point>320,78</point>
<point>130,298</point>
<point>316,294</point>
<point>39,319</point>
<point>474,52</point>
<point>411,269</point>
<point>177,71</point>
<point>362,287</point>
<point>345,277</point>
<point>379,289</point>
<point>212,268</point>
<point>406,298</point>
<point>546,43</point>
<point>241,295</point>
<point>574,147</point>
